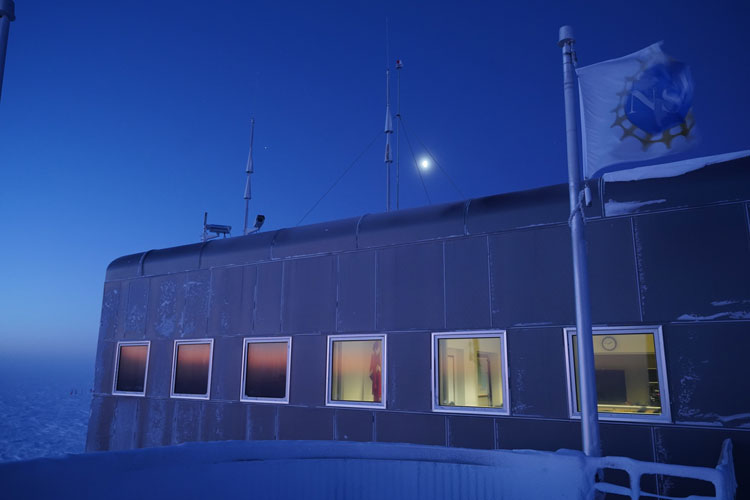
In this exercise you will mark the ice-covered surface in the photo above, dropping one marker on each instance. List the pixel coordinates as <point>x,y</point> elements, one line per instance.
<point>334,469</point>
<point>613,207</point>
<point>44,407</point>
<point>671,169</point>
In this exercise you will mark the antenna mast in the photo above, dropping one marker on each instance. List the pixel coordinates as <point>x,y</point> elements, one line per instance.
<point>388,124</point>
<point>248,171</point>
<point>399,65</point>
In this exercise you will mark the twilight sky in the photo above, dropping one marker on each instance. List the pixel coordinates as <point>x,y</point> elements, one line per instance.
<point>122,122</point>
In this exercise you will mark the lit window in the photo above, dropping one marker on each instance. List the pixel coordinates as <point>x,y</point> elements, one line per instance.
<point>131,368</point>
<point>469,372</point>
<point>630,374</point>
<point>265,374</point>
<point>191,369</point>
<point>356,371</point>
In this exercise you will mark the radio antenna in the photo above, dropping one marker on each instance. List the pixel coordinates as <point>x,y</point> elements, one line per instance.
<point>248,171</point>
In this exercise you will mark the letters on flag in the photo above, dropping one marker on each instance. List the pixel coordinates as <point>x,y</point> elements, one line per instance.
<point>635,108</point>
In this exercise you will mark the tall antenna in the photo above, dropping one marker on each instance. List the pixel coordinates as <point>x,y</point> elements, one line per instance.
<point>399,65</point>
<point>248,171</point>
<point>388,125</point>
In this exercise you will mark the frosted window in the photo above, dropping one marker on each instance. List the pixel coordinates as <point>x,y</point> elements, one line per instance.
<point>131,368</point>
<point>192,369</point>
<point>266,370</point>
<point>470,372</point>
<point>357,370</point>
<point>627,377</point>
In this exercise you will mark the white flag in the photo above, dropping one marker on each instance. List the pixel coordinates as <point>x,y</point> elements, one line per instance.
<point>635,108</point>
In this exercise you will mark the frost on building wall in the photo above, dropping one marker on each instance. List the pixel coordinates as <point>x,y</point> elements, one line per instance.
<point>669,256</point>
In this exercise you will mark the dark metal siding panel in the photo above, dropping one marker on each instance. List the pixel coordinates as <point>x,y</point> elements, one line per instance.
<point>536,359</point>
<point>261,421</point>
<point>708,372</point>
<point>410,287</point>
<point>172,260</point>
<point>471,432</point>
<point>100,420</point>
<point>722,182</point>
<point>155,423</point>
<point>187,421</point>
<point>227,369</point>
<point>467,286</point>
<point>408,371</point>
<point>308,373</point>
<point>159,369</point>
<point>612,272</point>
<point>239,250</point>
<point>700,448</point>
<point>354,425</point>
<point>133,307</point>
<point>268,299</point>
<point>356,292</point>
<point>408,226</point>
<point>309,300</point>
<point>326,237</point>
<point>231,301</point>
<point>195,309</point>
<point>224,421</point>
<point>532,277</point>
<point>414,428</point>
<point>694,264</point>
<point>627,440</point>
<point>105,366</point>
<point>536,434</point>
<point>318,423</point>
<point>110,308</point>
<point>124,429</point>
<point>166,300</point>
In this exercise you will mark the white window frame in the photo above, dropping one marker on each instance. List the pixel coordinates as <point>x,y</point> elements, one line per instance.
<point>661,370</point>
<point>329,368</point>
<point>266,340</point>
<point>502,335</point>
<point>206,396</point>
<point>115,392</point>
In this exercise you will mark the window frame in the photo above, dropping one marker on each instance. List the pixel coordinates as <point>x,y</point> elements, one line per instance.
<point>329,368</point>
<point>205,397</point>
<point>121,343</point>
<point>436,406</point>
<point>661,370</point>
<point>266,340</point>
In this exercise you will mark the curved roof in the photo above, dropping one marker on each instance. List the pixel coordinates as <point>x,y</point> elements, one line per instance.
<point>536,207</point>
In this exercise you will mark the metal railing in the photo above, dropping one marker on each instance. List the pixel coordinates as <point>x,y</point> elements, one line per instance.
<point>722,477</point>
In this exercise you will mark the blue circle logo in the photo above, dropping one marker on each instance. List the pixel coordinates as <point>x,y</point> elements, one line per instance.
<point>661,97</point>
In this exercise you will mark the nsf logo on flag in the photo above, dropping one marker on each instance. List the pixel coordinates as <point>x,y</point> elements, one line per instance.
<point>635,108</point>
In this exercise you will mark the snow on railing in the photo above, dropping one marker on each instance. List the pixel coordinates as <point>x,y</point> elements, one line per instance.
<point>722,477</point>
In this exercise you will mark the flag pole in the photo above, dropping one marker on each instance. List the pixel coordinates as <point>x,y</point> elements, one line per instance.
<point>7,14</point>
<point>586,372</point>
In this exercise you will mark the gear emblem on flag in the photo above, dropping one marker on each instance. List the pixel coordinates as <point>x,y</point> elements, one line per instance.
<point>655,106</point>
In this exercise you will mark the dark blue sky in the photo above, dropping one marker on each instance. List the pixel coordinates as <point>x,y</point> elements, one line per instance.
<point>121,122</point>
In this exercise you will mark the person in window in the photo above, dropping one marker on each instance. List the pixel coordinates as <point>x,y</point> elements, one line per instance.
<point>376,372</point>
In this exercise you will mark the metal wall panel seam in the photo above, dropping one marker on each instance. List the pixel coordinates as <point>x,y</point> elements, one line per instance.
<point>338,291</point>
<point>356,230</point>
<point>281,300</point>
<point>467,203</point>
<point>141,262</point>
<point>489,278</point>
<point>255,300</point>
<point>637,270</point>
<point>445,292</point>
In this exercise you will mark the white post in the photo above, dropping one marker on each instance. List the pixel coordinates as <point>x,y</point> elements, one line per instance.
<point>7,14</point>
<point>586,372</point>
